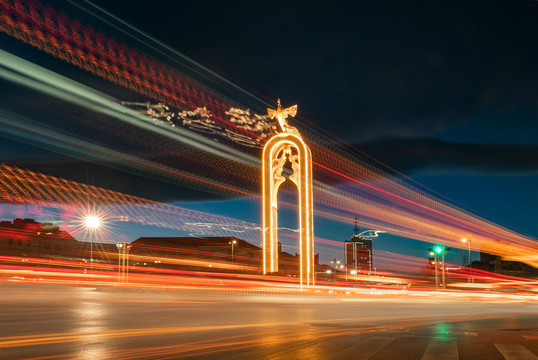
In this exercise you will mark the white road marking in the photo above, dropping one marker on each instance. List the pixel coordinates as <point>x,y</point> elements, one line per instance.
<point>441,350</point>
<point>515,352</point>
<point>364,349</point>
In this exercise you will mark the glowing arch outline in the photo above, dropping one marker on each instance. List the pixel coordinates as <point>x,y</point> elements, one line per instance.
<point>276,152</point>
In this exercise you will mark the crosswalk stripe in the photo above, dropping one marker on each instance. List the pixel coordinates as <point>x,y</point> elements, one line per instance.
<point>515,352</point>
<point>441,350</point>
<point>364,349</point>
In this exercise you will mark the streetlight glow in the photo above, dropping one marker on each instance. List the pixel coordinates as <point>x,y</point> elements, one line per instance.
<point>92,222</point>
<point>233,242</point>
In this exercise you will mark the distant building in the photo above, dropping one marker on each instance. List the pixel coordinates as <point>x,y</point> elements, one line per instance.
<point>29,238</point>
<point>201,252</point>
<point>26,237</point>
<point>487,258</point>
<point>358,253</point>
<point>494,263</point>
<point>198,252</point>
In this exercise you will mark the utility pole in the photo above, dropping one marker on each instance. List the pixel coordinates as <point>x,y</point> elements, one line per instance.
<point>444,269</point>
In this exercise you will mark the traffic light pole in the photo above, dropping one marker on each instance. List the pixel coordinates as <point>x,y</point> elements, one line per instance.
<point>436,273</point>
<point>439,251</point>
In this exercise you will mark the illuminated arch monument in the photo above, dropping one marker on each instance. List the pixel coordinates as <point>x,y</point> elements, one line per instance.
<point>286,146</point>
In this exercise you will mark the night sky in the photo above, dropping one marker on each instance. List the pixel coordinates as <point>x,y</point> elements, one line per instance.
<point>456,72</point>
<point>444,92</point>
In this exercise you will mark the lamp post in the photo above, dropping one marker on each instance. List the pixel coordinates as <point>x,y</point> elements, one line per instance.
<point>233,242</point>
<point>468,241</point>
<point>92,224</point>
<point>127,248</point>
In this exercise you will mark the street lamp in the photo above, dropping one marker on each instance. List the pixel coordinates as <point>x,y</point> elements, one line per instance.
<point>468,241</point>
<point>92,224</point>
<point>233,242</point>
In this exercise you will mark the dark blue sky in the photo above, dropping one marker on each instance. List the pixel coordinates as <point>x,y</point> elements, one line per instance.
<point>445,92</point>
<point>459,71</point>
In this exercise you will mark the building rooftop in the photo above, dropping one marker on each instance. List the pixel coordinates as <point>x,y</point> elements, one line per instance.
<point>194,241</point>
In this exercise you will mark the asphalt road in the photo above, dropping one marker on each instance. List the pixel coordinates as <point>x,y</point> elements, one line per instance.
<point>69,322</point>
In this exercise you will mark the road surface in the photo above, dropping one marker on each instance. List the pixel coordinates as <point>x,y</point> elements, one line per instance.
<point>70,322</point>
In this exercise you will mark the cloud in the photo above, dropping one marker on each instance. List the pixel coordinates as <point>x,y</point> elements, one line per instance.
<point>415,156</point>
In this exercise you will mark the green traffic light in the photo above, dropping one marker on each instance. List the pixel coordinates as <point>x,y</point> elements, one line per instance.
<point>438,249</point>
